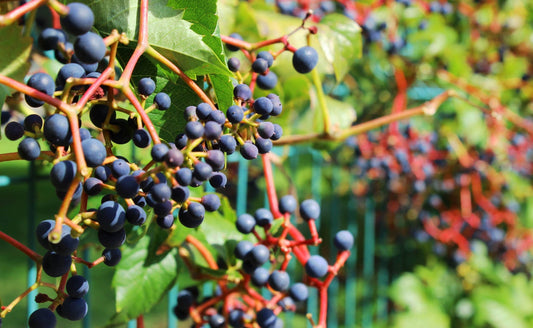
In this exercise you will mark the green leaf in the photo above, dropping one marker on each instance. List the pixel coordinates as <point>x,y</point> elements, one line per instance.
<point>168,32</point>
<point>340,40</point>
<point>15,62</point>
<point>223,89</point>
<point>142,278</point>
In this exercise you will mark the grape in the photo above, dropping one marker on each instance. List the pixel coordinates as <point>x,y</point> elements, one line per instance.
<point>42,231</point>
<point>279,280</point>
<point>245,223</point>
<point>258,255</point>
<point>265,318</point>
<point>263,106</point>
<point>165,222</point>
<point>160,192</point>
<point>263,217</point>
<point>235,114</point>
<point>41,82</point>
<point>215,158</point>
<point>217,116</point>
<point>309,209</point>
<point>216,321</point>
<point>316,266</point>
<point>197,210</point>
<point>265,129</point>
<point>181,314</point>
<point>33,122</point>
<point>111,216</point>
<point>127,186</point>
<point>111,239</point>
<point>234,64</point>
<point>299,292</point>
<point>228,144</point>
<point>267,81</point>
<point>263,145</point>
<point>190,113</point>
<point>89,68</point>
<point>50,37</point>
<point>111,256</point>
<point>304,59</point>
<point>74,308</point>
<point>135,215</point>
<point>29,149</point>
<point>162,209</point>
<point>56,265</point>
<point>94,152</point>
<point>260,277</point>
<point>202,171</point>
<point>203,110</point>
<point>162,100</point>
<point>260,65</point>
<point>278,132</point>
<point>174,157</point>
<point>212,130</point>
<point>42,318</point>
<point>287,304</point>
<point>140,201</point>
<point>89,48</point>
<point>266,55</point>
<point>276,104</point>
<point>194,129</point>
<point>184,176</point>
<point>67,71</point>
<point>14,131</point>
<point>181,141</point>
<point>242,91</point>
<point>242,248</point>
<point>218,180</point>
<point>57,130</point>
<point>146,86</point>
<point>98,114</point>
<point>79,20</point>
<point>185,299</point>
<point>77,193</point>
<point>125,132</point>
<point>62,174</point>
<point>249,150</point>
<point>236,318</point>
<point>141,138</point>
<point>67,245</point>
<point>211,202</point>
<point>343,240</point>
<point>234,36</point>
<point>77,286</point>
<point>159,152</point>
<point>189,218</point>
<point>103,173</point>
<point>84,134</point>
<point>120,167</point>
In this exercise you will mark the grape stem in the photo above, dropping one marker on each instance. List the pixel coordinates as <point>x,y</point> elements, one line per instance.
<point>21,247</point>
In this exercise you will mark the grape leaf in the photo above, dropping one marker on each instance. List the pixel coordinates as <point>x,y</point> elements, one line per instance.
<point>168,32</point>
<point>13,63</point>
<point>142,279</point>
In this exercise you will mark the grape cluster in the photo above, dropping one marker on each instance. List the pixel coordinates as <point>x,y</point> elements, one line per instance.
<point>259,268</point>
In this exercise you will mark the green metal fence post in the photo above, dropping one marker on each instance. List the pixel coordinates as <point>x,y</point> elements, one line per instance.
<point>368,262</point>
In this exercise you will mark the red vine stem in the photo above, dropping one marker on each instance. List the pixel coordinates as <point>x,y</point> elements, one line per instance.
<point>205,253</point>
<point>21,247</point>
<point>270,188</point>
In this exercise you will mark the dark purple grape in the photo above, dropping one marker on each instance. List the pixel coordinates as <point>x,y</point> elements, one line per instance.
<point>50,37</point>
<point>94,152</point>
<point>69,70</point>
<point>211,202</point>
<point>249,150</point>
<point>202,171</point>
<point>84,134</point>
<point>29,149</point>
<point>127,186</point>
<point>165,222</point>
<point>184,176</point>
<point>265,318</point>
<point>309,209</point>
<point>260,66</point>
<point>287,204</point>
<point>74,308</point>
<point>89,68</point>
<point>181,141</point>
<point>304,59</point>
<point>77,286</point>
<point>60,53</point>
<point>56,265</point>
<point>174,157</point>
<point>42,231</point>
<point>263,145</point>
<point>203,110</point>
<point>111,216</point>
<point>112,239</point>
<point>263,217</point>
<point>141,138</point>
<point>180,194</point>
<point>234,36</point>
<point>33,122</point>
<point>125,131</point>
<point>160,192</point>
<point>194,130</point>
<point>120,167</point>
<point>242,91</point>
<point>98,114</point>
<point>79,20</point>
<point>276,103</point>
<point>217,116</point>
<point>299,292</point>
<point>216,159</point>
<point>279,280</point>
<point>159,152</point>
<point>162,100</point>
<point>260,277</point>
<point>259,255</point>
<point>188,219</point>
<point>267,81</point>
<point>42,318</point>
<point>242,248</point>
<point>89,48</point>
<point>228,144</point>
<point>266,55</point>
<point>14,131</point>
<point>112,256</point>
<point>245,223</point>
<point>218,180</point>
<point>146,86</point>
<point>135,215</point>
<point>263,106</point>
<point>57,130</point>
<point>212,130</point>
<point>103,173</point>
<point>62,174</point>
<point>234,64</point>
<point>235,114</point>
<point>67,244</point>
<point>278,132</point>
<point>216,321</point>
<point>343,240</point>
<point>265,129</point>
<point>190,113</point>
<point>316,266</point>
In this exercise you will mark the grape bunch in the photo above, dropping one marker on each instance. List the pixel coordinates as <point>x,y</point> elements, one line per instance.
<point>259,268</point>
